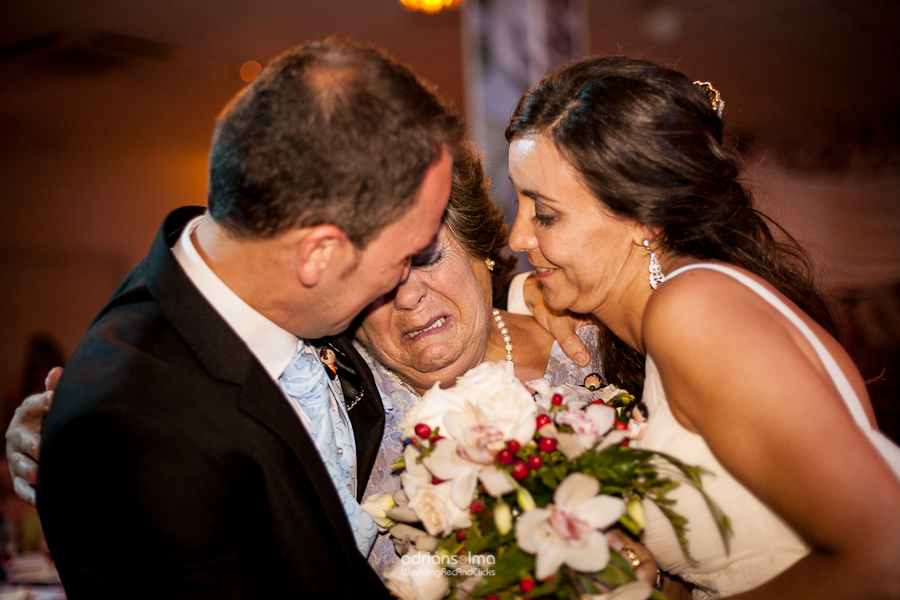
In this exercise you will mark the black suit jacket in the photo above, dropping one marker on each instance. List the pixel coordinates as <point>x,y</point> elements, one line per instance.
<point>173,466</point>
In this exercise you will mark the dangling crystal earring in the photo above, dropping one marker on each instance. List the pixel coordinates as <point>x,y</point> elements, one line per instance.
<point>656,274</point>
<point>489,263</point>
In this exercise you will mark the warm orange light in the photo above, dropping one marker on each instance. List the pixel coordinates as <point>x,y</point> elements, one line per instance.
<point>430,6</point>
<point>249,70</point>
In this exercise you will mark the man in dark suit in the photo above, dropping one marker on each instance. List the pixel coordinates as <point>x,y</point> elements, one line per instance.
<point>172,463</point>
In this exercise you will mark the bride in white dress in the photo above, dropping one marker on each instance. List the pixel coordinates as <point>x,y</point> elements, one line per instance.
<point>623,177</point>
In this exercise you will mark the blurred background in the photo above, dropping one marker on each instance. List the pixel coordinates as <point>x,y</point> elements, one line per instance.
<point>107,109</point>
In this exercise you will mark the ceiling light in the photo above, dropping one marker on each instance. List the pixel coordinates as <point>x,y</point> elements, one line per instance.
<point>430,6</point>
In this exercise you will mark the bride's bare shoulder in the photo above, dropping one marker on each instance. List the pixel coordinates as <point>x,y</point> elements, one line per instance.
<point>702,301</point>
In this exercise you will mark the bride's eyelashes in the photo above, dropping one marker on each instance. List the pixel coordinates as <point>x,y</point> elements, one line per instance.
<point>543,216</point>
<point>544,220</point>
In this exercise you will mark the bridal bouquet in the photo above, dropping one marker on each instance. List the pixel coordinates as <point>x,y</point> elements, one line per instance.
<point>508,494</point>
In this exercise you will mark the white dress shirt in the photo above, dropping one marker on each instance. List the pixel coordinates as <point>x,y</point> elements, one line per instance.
<point>273,346</point>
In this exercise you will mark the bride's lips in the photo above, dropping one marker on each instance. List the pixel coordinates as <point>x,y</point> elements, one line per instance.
<point>435,325</point>
<point>542,272</point>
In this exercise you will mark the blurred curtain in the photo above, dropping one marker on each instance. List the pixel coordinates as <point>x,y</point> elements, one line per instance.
<point>508,46</point>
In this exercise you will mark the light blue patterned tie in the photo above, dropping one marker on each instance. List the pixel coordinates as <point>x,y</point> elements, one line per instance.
<point>305,382</point>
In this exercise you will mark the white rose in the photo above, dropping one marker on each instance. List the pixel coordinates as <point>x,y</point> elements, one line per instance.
<point>431,409</point>
<point>414,578</point>
<point>500,398</point>
<point>437,511</point>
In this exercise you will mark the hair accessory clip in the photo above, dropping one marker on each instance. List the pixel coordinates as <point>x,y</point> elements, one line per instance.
<point>712,93</point>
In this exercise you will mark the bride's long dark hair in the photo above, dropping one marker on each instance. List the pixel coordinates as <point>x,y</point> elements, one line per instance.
<point>650,146</point>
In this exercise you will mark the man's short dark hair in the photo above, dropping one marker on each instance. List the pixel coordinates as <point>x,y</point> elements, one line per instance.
<point>329,133</point>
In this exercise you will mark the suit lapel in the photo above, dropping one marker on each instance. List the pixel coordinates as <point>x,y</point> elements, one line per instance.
<point>262,399</point>
<point>227,358</point>
<point>367,415</point>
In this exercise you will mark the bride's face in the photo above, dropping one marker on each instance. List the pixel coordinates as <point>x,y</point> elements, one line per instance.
<point>579,248</point>
<point>435,326</point>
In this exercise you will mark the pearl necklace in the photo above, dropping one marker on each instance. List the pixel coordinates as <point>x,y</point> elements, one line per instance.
<point>498,319</point>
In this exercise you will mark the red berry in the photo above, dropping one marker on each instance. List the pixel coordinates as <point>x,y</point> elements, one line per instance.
<point>526,585</point>
<point>436,481</point>
<point>513,446</point>
<point>542,420</point>
<point>520,470</point>
<point>504,457</point>
<point>548,578</point>
<point>461,535</point>
<point>556,400</point>
<point>476,506</point>
<point>598,401</point>
<point>492,597</point>
<point>625,442</point>
<point>535,462</point>
<point>621,426</point>
<point>414,441</point>
<point>547,444</point>
<point>423,431</point>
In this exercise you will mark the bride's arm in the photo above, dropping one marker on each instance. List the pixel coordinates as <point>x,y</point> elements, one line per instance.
<point>735,371</point>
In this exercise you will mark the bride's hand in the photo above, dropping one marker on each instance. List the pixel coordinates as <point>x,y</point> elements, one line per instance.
<point>634,552</point>
<point>23,438</point>
<point>560,324</point>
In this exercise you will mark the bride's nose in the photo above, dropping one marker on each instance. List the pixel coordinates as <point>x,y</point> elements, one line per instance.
<point>521,238</point>
<point>410,292</point>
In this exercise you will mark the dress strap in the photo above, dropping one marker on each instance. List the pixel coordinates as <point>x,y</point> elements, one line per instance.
<point>837,375</point>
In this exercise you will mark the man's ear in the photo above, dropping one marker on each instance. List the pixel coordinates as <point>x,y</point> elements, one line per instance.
<point>321,249</point>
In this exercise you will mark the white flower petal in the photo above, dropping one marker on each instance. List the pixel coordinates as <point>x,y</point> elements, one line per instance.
<point>530,531</point>
<point>592,556</point>
<point>376,506</point>
<point>602,415</point>
<point>456,422</point>
<point>601,511</point>
<point>575,489</point>
<point>569,445</point>
<point>426,583</point>
<point>404,514</point>
<point>550,557</point>
<point>443,462</point>
<point>634,590</point>
<point>464,488</point>
<point>496,482</point>
<point>612,439</point>
<point>413,466</point>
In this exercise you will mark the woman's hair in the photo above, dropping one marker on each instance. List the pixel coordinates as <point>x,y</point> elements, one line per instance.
<point>649,144</point>
<point>475,221</point>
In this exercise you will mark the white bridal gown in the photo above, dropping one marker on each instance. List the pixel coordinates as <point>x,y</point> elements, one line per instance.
<point>763,545</point>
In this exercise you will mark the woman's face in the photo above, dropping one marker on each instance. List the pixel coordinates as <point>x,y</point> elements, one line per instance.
<point>435,325</point>
<point>579,248</point>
